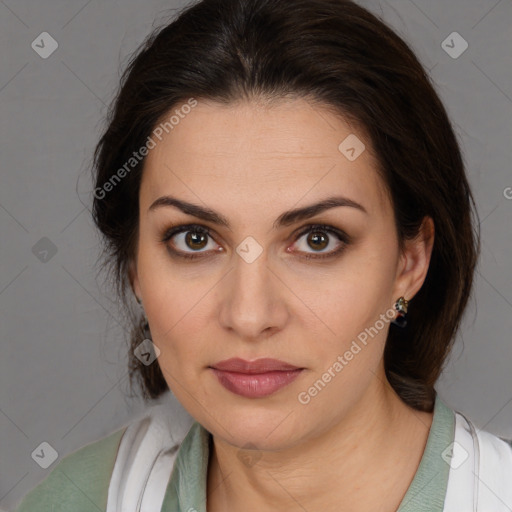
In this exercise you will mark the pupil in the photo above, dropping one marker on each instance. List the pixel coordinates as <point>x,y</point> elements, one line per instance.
<point>193,239</point>
<point>315,238</point>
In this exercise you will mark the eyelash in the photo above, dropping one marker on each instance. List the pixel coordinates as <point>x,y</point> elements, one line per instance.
<point>343,238</point>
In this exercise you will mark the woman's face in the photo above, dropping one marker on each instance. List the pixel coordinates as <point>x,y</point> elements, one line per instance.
<point>250,174</point>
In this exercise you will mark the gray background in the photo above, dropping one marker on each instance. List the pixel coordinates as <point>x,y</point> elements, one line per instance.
<point>63,364</point>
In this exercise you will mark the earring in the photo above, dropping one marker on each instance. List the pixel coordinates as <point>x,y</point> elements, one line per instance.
<point>145,326</point>
<point>401,307</point>
<point>147,332</point>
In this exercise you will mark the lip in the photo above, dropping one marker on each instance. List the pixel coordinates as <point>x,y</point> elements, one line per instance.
<point>262,365</point>
<point>255,379</point>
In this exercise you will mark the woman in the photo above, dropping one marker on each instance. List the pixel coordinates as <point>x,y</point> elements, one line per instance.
<point>281,191</point>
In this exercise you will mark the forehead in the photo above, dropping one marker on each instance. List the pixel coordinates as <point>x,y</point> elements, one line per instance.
<point>254,153</point>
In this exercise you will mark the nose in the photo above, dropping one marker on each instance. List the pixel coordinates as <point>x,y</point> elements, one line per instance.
<point>253,299</point>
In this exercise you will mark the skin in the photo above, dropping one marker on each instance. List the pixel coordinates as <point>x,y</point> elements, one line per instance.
<point>251,161</point>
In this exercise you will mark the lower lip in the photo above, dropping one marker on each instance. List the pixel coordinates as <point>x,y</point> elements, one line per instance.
<point>256,385</point>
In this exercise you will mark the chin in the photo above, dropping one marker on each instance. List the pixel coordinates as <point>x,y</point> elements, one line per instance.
<point>258,426</point>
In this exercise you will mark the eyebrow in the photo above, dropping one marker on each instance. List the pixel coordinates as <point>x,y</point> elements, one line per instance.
<point>285,219</point>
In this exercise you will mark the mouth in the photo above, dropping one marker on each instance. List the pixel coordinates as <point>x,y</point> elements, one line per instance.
<point>255,379</point>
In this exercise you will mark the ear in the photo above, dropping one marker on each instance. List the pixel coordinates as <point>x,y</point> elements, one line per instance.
<point>414,261</point>
<point>134,278</point>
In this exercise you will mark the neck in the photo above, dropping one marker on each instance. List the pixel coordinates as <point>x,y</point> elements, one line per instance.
<point>342,469</point>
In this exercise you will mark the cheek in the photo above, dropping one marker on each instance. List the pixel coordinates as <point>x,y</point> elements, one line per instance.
<point>351,322</point>
<point>178,322</point>
<point>174,305</point>
<point>353,297</point>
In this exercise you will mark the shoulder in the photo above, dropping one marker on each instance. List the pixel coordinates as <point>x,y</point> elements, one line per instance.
<point>480,474</point>
<point>496,452</point>
<point>491,451</point>
<point>494,472</point>
<point>146,455</point>
<point>79,482</point>
<point>96,475</point>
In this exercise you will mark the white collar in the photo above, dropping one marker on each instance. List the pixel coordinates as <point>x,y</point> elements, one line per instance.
<point>146,457</point>
<point>480,477</point>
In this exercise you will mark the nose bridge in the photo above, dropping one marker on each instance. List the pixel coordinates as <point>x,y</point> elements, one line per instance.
<point>252,302</point>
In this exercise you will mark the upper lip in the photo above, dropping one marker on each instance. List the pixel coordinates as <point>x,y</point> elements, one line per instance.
<point>258,366</point>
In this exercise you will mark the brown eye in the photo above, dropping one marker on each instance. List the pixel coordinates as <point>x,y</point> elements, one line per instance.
<point>320,237</point>
<point>184,241</point>
<point>189,241</point>
<point>318,240</point>
<point>196,240</point>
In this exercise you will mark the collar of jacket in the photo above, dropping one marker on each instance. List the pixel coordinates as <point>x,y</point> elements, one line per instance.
<point>146,456</point>
<point>480,474</point>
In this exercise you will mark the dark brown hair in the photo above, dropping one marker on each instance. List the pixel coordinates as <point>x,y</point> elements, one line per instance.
<point>343,57</point>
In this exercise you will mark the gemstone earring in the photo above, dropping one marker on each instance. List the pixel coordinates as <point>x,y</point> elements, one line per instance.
<point>401,307</point>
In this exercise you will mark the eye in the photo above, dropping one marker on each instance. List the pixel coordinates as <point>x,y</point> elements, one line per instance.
<point>192,241</point>
<point>320,237</point>
<point>187,237</point>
